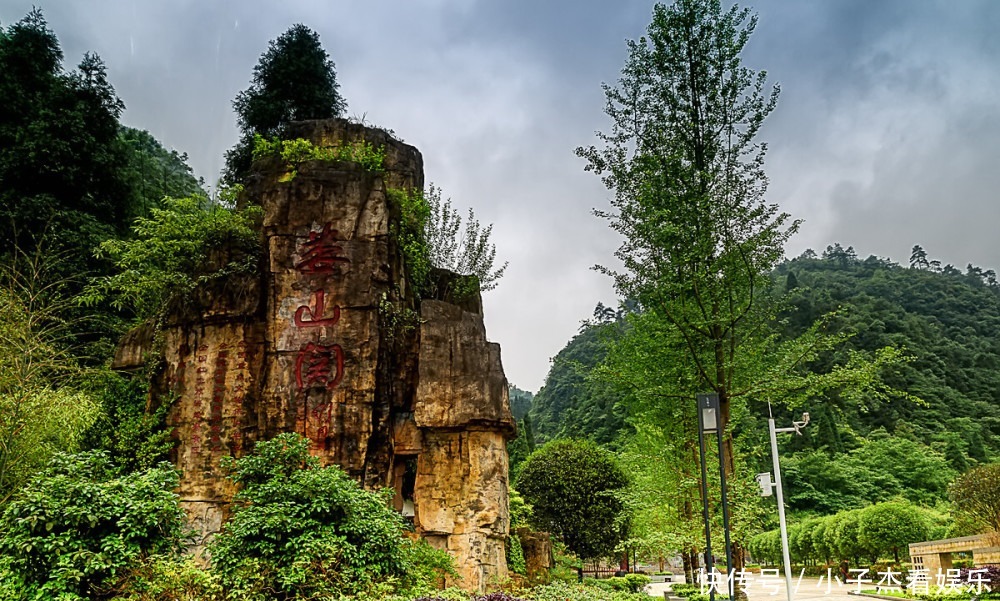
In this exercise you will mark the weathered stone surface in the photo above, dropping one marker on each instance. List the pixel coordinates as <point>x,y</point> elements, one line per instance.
<point>132,348</point>
<point>538,559</point>
<point>461,381</point>
<point>305,347</point>
<point>461,494</point>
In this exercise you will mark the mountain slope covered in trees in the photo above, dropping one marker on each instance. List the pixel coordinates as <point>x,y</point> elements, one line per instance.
<point>947,320</point>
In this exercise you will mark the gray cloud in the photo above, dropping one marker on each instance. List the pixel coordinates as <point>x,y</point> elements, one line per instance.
<point>884,136</point>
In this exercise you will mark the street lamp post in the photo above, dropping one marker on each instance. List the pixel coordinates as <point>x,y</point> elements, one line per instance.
<point>766,484</point>
<point>708,422</point>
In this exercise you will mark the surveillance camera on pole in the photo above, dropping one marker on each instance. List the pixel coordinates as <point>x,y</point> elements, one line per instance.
<point>797,428</point>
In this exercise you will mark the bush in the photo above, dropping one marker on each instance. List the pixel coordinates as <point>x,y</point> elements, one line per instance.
<point>78,528</point>
<point>173,251</point>
<point>515,555</point>
<point>299,531</point>
<point>683,589</point>
<point>171,578</point>
<point>571,486</point>
<point>630,583</point>
<point>563,591</point>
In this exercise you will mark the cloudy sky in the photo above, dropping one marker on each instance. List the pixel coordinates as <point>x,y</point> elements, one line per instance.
<point>886,135</point>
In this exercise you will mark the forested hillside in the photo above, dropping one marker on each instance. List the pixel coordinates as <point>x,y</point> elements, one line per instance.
<point>947,320</point>
<point>573,404</point>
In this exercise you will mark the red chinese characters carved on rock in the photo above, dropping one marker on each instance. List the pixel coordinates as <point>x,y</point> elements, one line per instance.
<point>312,317</point>
<point>319,365</point>
<point>321,252</point>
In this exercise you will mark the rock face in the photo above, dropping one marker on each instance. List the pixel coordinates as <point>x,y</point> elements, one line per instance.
<point>538,560</point>
<point>331,342</point>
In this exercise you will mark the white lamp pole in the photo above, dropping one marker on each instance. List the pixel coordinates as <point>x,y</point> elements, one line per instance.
<point>765,484</point>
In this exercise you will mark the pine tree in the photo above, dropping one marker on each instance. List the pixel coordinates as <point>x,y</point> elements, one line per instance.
<point>294,80</point>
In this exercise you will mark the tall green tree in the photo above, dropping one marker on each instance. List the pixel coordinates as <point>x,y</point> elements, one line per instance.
<point>60,156</point>
<point>293,80</point>
<point>687,172</point>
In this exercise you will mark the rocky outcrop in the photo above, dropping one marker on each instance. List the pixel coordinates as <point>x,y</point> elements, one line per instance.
<point>538,559</point>
<point>332,342</point>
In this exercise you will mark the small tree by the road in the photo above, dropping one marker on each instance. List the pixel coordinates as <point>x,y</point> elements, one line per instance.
<point>976,495</point>
<point>572,486</point>
<point>890,527</point>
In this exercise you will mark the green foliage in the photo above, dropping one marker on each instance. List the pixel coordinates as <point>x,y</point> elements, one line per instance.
<point>520,516</point>
<point>572,487</point>
<point>520,401</point>
<point>78,527</point>
<point>135,440</point>
<point>876,531</point>
<point>174,251</point>
<point>688,179</point>
<point>293,80</point>
<point>414,211</point>
<point>60,154</point>
<point>169,577</point>
<point>71,176</point>
<point>521,446</point>
<point>818,482</point>
<point>154,173</point>
<point>976,495</point>
<point>298,151</point>
<point>520,512</point>
<point>470,253</point>
<point>564,591</point>
<point>946,320</point>
<point>43,408</point>
<point>427,244</point>
<point>396,321</point>
<point>630,583</point>
<point>300,531</point>
<point>515,555</point>
<point>888,528</point>
<point>574,404</point>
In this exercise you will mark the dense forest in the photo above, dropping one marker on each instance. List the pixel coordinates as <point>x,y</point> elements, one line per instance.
<point>853,453</point>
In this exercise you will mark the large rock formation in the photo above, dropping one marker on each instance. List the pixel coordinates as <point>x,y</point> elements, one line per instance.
<point>332,342</point>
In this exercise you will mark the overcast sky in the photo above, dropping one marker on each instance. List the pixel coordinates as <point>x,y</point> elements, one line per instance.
<point>886,135</point>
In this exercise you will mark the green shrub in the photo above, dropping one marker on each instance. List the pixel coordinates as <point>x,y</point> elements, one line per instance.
<point>297,151</point>
<point>515,555</point>
<point>414,211</point>
<point>683,589</point>
<point>707,597</point>
<point>636,582</point>
<point>171,253</point>
<point>162,578</point>
<point>572,486</point>
<point>301,531</point>
<point>135,439</point>
<point>78,527</point>
<point>564,591</point>
<point>631,583</point>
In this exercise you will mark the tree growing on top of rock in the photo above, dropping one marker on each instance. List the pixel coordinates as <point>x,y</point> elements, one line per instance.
<point>293,80</point>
